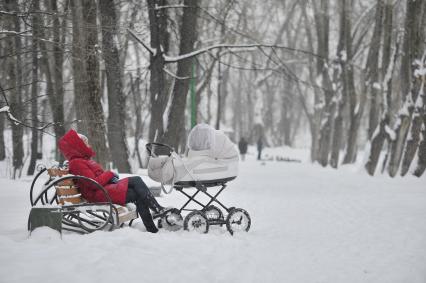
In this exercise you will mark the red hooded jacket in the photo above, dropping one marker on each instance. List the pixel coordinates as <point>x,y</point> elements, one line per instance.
<point>80,163</point>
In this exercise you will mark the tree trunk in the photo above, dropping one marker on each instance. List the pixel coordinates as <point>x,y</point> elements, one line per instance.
<point>285,122</point>
<point>421,152</point>
<point>95,115</point>
<point>377,129</point>
<point>341,102</point>
<point>34,78</point>
<point>188,35</point>
<point>219,95</point>
<point>414,139</point>
<point>421,163</point>
<point>356,104</point>
<point>268,117</point>
<point>322,20</point>
<point>314,118</point>
<point>58,55</point>
<point>2,144</point>
<point>418,93</point>
<point>15,77</point>
<point>160,43</point>
<point>79,65</point>
<point>137,103</point>
<point>225,93</point>
<point>116,99</point>
<point>372,70</point>
<point>411,50</point>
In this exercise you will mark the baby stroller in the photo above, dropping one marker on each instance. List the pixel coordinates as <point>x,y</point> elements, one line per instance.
<point>212,161</point>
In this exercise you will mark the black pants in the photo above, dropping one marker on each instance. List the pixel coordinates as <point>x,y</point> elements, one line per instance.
<point>139,194</point>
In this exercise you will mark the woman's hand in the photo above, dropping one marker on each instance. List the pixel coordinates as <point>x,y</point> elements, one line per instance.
<point>114,180</point>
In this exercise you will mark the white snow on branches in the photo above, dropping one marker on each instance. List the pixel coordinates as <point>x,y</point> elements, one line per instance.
<point>390,132</point>
<point>6,109</point>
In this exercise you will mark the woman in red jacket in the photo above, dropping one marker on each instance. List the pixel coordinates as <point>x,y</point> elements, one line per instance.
<point>76,149</point>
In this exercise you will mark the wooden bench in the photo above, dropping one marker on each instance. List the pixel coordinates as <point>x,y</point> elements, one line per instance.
<point>78,214</point>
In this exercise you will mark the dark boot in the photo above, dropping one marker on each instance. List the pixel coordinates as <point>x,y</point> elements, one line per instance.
<point>152,203</point>
<point>159,211</point>
<point>146,216</point>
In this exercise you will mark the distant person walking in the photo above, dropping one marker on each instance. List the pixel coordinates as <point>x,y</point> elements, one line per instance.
<point>259,148</point>
<point>242,146</point>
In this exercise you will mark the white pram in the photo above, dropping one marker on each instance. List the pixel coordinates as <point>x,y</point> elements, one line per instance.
<point>212,161</point>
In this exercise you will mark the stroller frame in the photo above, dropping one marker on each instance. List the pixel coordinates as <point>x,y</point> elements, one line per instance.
<point>202,186</point>
<point>237,219</point>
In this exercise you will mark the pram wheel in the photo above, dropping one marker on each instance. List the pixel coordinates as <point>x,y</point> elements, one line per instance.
<point>196,221</point>
<point>213,212</point>
<point>171,222</point>
<point>238,220</point>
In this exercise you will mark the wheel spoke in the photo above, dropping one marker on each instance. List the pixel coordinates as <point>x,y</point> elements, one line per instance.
<point>196,221</point>
<point>238,220</point>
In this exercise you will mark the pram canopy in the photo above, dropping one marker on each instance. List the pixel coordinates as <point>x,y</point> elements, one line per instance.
<point>211,156</point>
<point>205,140</point>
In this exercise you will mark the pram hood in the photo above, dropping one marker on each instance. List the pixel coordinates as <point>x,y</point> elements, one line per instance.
<point>204,140</point>
<point>211,156</point>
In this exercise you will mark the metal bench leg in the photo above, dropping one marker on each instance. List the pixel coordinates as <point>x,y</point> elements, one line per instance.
<point>49,217</point>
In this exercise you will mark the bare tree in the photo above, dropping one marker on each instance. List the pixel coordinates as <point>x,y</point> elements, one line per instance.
<point>57,105</point>
<point>2,144</point>
<point>341,96</point>
<point>417,91</point>
<point>322,23</point>
<point>116,99</point>
<point>188,35</point>
<point>36,24</point>
<point>409,85</point>
<point>14,67</point>
<point>78,65</point>
<point>159,45</point>
<point>376,131</point>
<point>94,117</point>
<point>356,102</point>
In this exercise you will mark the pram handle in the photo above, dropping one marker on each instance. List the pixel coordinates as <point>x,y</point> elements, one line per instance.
<point>148,147</point>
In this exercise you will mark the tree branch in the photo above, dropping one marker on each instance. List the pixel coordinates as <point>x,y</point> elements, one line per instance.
<point>11,117</point>
<point>249,47</point>
<point>151,50</point>
<point>174,75</point>
<point>9,32</point>
<point>170,7</point>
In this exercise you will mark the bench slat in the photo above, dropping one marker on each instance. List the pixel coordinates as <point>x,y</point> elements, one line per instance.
<point>69,193</point>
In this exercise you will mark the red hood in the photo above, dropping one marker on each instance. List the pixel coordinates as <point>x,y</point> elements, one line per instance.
<point>72,146</point>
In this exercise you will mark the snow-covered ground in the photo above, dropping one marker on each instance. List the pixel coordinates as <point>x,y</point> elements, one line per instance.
<point>309,224</point>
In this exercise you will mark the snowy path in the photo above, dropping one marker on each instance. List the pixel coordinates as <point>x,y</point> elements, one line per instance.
<point>309,224</point>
